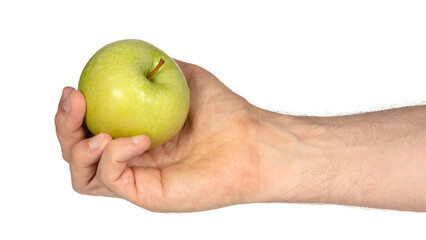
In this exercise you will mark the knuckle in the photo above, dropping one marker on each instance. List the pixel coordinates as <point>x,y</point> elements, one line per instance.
<point>73,156</point>
<point>57,121</point>
<point>105,179</point>
<point>78,188</point>
<point>64,157</point>
<point>112,151</point>
<point>111,148</point>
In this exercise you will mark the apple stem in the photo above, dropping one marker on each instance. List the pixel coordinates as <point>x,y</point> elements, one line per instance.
<point>160,63</point>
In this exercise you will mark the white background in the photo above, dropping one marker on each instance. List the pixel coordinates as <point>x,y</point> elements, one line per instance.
<point>300,57</point>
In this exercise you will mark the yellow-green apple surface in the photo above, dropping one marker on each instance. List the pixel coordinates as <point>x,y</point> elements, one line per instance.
<point>131,87</point>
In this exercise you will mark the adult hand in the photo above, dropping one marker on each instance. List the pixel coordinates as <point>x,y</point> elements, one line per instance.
<point>230,152</point>
<point>212,162</point>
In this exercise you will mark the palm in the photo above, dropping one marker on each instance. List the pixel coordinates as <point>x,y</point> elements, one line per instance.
<point>210,155</point>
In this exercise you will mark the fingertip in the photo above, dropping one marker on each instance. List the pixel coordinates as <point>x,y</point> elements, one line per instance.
<point>78,100</point>
<point>95,141</point>
<point>123,149</point>
<point>67,91</point>
<point>107,137</point>
<point>138,139</point>
<point>70,115</point>
<point>142,140</point>
<point>73,106</point>
<point>99,141</point>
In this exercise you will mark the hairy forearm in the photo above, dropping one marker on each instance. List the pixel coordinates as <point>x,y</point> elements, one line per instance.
<point>373,160</point>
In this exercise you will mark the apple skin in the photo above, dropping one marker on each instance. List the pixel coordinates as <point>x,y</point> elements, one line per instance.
<point>122,102</point>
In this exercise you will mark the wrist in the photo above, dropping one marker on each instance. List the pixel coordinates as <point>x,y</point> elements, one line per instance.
<point>294,163</point>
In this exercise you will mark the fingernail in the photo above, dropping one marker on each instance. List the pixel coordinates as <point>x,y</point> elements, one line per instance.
<point>66,105</point>
<point>95,141</point>
<point>138,139</point>
<point>63,95</point>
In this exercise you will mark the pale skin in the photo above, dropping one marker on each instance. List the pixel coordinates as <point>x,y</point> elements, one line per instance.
<point>232,152</point>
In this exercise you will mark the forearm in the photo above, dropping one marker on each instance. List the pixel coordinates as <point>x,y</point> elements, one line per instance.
<point>373,160</point>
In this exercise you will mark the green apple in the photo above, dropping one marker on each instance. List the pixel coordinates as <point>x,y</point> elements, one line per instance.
<point>131,87</point>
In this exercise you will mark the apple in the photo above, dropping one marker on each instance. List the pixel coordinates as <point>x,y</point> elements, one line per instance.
<point>131,87</point>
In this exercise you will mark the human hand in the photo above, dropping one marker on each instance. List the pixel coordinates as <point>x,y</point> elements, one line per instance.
<point>231,152</point>
<point>212,162</point>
